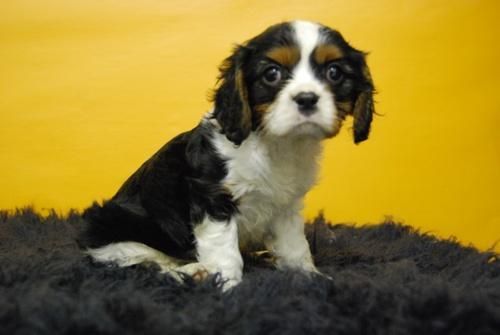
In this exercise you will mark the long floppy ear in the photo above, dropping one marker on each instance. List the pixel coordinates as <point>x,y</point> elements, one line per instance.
<point>363,109</point>
<point>231,109</point>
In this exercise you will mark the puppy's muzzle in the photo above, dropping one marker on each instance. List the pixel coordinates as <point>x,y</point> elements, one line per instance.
<point>306,102</point>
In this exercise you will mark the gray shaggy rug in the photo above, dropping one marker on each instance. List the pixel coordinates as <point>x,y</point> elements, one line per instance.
<point>387,279</point>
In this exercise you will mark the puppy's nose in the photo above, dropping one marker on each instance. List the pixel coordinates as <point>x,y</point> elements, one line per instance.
<point>306,102</point>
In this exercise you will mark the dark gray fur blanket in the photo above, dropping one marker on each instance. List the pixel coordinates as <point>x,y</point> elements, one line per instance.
<point>386,279</point>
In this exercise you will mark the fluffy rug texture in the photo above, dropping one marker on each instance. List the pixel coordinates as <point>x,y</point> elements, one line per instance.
<point>386,279</point>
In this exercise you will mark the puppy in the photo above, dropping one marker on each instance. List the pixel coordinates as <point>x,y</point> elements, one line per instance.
<point>238,179</point>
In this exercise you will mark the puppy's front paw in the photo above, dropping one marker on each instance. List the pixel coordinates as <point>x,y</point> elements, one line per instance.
<point>312,270</point>
<point>230,278</point>
<point>324,275</point>
<point>228,284</point>
<point>305,266</point>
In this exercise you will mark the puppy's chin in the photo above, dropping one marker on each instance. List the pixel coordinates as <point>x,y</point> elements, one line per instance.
<point>310,130</point>
<point>307,129</point>
<point>285,120</point>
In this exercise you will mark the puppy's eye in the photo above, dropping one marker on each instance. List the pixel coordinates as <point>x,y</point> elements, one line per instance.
<point>334,74</point>
<point>272,76</point>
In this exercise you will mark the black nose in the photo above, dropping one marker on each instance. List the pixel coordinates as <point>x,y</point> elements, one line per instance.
<point>306,101</point>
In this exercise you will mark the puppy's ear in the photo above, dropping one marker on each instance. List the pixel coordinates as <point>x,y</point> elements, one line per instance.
<point>363,109</point>
<point>231,107</point>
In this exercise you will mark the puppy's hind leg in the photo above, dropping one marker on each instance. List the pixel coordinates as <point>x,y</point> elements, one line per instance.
<point>131,253</point>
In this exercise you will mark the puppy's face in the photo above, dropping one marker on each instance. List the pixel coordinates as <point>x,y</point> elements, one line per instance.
<point>294,79</point>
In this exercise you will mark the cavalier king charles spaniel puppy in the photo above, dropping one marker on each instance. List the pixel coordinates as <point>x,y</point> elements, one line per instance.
<point>236,182</point>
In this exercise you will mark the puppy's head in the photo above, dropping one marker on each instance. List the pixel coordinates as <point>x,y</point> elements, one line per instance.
<point>295,79</point>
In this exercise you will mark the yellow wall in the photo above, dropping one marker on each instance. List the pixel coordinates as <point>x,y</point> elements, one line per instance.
<point>91,88</point>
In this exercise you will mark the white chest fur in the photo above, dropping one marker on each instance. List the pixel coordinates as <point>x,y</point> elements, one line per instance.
<point>267,176</point>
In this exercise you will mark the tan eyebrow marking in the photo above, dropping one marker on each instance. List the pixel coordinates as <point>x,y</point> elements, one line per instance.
<point>326,53</point>
<point>286,56</point>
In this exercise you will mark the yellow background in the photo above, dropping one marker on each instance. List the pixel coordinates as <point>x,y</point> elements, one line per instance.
<point>89,89</point>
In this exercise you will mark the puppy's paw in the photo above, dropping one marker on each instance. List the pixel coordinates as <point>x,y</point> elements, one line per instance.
<point>313,271</point>
<point>324,275</point>
<point>200,272</point>
<point>200,275</point>
<point>197,271</point>
<point>229,283</point>
<point>307,268</point>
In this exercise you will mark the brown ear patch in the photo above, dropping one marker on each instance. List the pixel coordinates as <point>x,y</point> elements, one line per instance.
<point>344,108</point>
<point>326,53</point>
<point>286,56</point>
<point>363,114</point>
<point>262,108</point>
<point>246,113</point>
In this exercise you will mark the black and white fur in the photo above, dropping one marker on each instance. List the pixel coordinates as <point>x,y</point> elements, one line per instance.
<point>237,181</point>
